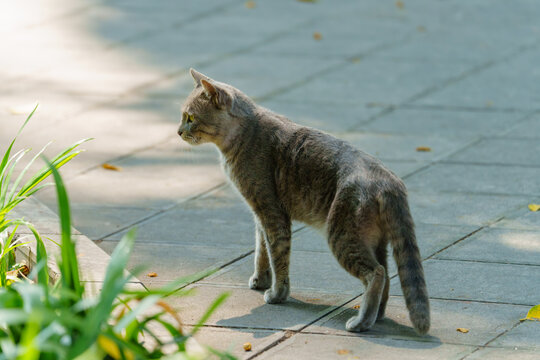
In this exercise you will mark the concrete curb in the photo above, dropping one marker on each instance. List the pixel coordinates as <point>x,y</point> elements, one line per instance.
<point>92,259</point>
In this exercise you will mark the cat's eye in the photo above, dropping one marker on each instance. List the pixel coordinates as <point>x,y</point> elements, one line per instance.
<point>190,119</point>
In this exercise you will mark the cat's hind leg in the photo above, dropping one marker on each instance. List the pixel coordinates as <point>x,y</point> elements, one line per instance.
<point>382,257</point>
<point>374,275</point>
<point>262,276</point>
<point>353,236</point>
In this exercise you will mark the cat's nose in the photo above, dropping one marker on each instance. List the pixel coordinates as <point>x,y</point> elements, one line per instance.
<point>180,132</point>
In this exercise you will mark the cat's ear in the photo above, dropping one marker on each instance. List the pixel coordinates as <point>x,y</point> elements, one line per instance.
<point>220,97</point>
<point>197,76</point>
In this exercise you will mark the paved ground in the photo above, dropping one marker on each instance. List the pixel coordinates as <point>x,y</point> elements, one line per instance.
<point>461,77</point>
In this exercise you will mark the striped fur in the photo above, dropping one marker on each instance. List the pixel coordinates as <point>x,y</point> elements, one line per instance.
<point>289,172</point>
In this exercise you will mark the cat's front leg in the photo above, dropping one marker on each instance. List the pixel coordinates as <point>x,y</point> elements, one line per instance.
<point>278,244</point>
<point>262,276</point>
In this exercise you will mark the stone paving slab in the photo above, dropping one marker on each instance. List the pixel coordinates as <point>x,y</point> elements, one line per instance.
<point>350,347</point>
<point>483,89</point>
<point>484,321</point>
<point>175,260</point>
<point>529,128</point>
<point>218,218</point>
<point>497,245</point>
<point>446,123</point>
<point>154,178</point>
<point>375,81</point>
<point>521,219</point>
<point>456,208</point>
<point>245,308</point>
<point>98,221</point>
<point>485,179</point>
<point>476,281</point>
<point>523,336</point>
<point>340,41</point>
<point>326,116</point>
<point>522,152</point>
<point>402,147</point>
<point>233,340</point>
<point>314,271</point>
<point>503,354</point>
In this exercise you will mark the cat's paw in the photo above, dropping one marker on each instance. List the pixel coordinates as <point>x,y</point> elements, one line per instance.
<point>276,295</point>
<point>260,281</point>
<point>357,324</point>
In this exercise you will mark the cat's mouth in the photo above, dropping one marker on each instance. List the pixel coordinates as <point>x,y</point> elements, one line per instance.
<point>192,140</point>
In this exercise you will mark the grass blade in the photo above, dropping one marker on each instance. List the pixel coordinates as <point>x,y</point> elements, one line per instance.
<point>69,267</point>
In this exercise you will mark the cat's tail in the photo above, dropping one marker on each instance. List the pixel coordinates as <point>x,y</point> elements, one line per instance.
<point>400,231</point>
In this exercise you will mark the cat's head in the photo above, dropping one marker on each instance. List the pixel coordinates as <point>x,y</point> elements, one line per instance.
<point>213,111</point>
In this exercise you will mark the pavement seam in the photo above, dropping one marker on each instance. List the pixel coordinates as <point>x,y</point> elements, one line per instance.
<point>449,81</point>
<point>483,164</point>
<point>493,339</point>
<point>485,261</point>
<point>163,210</point>
<point>453,108</point>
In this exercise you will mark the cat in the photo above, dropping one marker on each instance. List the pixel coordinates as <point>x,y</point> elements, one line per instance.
<point>289,172</point>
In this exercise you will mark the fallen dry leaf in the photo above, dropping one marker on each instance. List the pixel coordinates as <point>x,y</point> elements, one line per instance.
<point>423,149</point>
<point>343,352</point>
<point>111,167</point>
<point>308,1</point>
<point>317,35</point>
<point>462,330</point>
<point>533,314</point>
<point>534,207</point>
<point>356,307</point>
<point>151,274</point>
<point>250,4</point>
<point>421,28</point>
<point>356,60</point>
<point>247,346</point>
<point>400,4</point>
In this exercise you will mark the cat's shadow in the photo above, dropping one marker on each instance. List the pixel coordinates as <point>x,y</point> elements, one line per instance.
<point>263,322</point>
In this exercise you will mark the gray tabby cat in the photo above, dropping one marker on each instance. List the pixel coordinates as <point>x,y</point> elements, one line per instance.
<point>290,172</point>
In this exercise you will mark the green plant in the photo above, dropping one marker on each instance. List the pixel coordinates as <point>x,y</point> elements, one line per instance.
<point>39,321</point>
<point>13,193</point>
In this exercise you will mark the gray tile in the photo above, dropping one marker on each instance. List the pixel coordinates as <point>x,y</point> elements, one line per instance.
<point>326,116</point>
<point>232,340</point>
<point>246,308</point>
<point>344,34</point>
<point>521,219</point>
<point>487,179</point>
<point>375,81</point>
<point>498,245</point>
<point>315,346</point>
<point>466,280</point>
<point>314,271</point>
<point>441,123</point>
<point>251,74</point>
<point>527,129</point>
<point>484,321</point>
<point>488,151</point>
<point>495,353</point>
<point>431,238</point>
<point>97,221</point>
<point>171,262</point>
<point>504,85</point>
<point>459,209</point>
<point>220,218</point>
<point>523,336</point>
<point>402,147</point>
<point>155,178</point>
